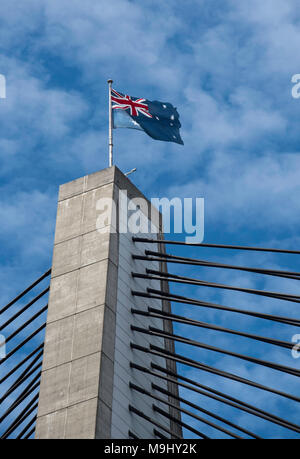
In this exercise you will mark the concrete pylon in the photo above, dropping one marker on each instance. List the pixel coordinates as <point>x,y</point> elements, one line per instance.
<point>86,371</point>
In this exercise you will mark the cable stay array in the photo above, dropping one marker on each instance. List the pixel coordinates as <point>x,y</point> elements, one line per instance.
<point>196,415</point>
<point>23,328</point>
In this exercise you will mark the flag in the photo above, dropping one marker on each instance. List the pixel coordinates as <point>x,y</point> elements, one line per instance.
<point>160,120</point>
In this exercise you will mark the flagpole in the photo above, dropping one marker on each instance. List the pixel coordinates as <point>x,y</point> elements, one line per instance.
<point>110,127</point>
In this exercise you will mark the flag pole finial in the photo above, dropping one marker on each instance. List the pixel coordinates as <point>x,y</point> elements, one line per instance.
<point>110,127</point>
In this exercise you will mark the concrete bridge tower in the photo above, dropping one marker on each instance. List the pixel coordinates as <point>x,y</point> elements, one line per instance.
<point>87,365</point>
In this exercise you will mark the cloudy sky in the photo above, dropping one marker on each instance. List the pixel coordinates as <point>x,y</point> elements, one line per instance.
<point>226,66</point>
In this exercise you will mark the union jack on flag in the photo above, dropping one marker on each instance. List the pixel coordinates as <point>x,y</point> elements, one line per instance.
<point>125,102</point>
<point>160,120</point>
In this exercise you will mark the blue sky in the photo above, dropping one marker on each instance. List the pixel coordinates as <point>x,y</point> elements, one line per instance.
<point>226,66</point>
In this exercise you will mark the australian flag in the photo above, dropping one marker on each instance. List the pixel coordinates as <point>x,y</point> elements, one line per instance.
<point>160,120</point>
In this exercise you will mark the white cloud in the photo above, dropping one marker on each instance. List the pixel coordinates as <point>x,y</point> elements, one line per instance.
<point>249,193</point>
